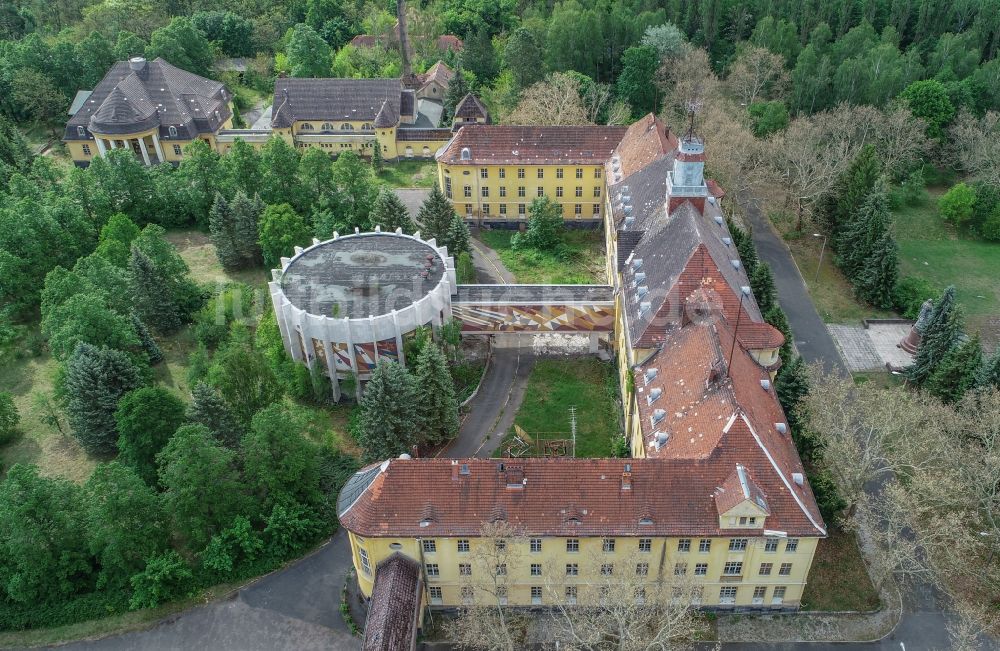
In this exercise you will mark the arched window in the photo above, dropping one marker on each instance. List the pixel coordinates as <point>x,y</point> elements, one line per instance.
<point>347,127</point>
<point>366,127</point>
<point>427,150</point>
<point>327,126</point>
<point>466,153</point>
<point>409,152</point>
<point>306,127</point>
<point>80,131</point>
<point>172,131</point>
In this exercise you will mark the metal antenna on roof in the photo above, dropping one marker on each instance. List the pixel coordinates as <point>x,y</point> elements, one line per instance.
<point>694,105</point>
<point>572,426</point>
<point>744,292</point>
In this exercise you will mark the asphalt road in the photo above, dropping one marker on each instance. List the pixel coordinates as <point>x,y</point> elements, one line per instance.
<point>812,339</point>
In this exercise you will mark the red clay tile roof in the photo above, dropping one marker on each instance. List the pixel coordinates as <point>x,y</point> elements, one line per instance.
<point>439,72</point>
<point>392,613</point>
<point>447,42</point>
<point>533,145</point>
<point>567,497</point>
<point>715,189</point>
<point>646,140</point>
<point>702,407</point>
<point>363,40</point>
<point>738,488</point>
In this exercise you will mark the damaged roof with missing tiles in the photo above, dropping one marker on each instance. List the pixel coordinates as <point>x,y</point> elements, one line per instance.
<point>532,145</point>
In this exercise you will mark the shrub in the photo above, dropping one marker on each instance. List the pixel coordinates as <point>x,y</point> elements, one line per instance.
<point>990,230</point>
<point>9,418</point>
<point>166,577</point>
<point>910,293</point>
<point>956,205</point>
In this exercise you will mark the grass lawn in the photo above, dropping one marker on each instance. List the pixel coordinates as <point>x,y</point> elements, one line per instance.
<point>557,384</point>
<point>838,579</point>
<point>583,266</point>
<point>409,174</point>
<point>931,249</point>
<point>57,455</point>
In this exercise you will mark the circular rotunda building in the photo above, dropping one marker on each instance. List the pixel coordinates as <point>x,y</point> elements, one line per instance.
<point>349,301</point>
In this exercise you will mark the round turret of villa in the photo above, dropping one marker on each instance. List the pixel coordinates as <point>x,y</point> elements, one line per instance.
<point>345,303</point>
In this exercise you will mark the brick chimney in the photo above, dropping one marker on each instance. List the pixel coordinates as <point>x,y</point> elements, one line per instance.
<point>627,477</point>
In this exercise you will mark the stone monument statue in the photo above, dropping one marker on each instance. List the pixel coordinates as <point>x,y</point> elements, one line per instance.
<point>911,342</point>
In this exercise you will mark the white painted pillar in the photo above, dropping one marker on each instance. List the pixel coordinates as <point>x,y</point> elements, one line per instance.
<point>142,148</point>
<point>113,143</point>
<point>371,326</point>
<point>354,359</point>
<point>400,355</point>
<point>331,360</point>
<point>100,146</point>
<point>156,145</point>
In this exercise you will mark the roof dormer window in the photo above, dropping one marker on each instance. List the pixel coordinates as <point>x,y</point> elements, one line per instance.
<point>172,131</point>
<point>82,132</point>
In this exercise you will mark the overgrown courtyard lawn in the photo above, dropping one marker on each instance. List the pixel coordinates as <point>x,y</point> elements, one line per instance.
<point>26,375</point>
<point>930,248</point>
<point>838,579</point>
<point>557,384</point>
<point>409,174</point>
<point>583,263</point>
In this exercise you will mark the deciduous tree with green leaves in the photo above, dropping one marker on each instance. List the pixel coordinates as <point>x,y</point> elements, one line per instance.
<point>43,548</point>
<point>125,522</point>
<point>957,204</point>
<point>545,227</point>
<point>281,230</point>
<point>9,418</point>
<point>928,100</point>
<point>308,54</point>
<point>180,43</point>
<point>202,492</point>
<point>280,466</point>
<point>243,378</point>
<point>635,84</point>
<point>146,418</point>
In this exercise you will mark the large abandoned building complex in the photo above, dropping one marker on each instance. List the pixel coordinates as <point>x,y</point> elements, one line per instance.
<point>157,110</point>
<point>715,491</point>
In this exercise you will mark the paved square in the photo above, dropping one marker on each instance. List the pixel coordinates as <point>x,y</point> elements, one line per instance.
<point>869,349</point>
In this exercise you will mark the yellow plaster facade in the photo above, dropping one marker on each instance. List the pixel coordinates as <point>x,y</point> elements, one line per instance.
<point>505,192</point>
<point>753,572</point>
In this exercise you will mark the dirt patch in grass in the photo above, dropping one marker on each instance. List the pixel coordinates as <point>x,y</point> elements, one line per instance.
<point>838,580</point>
<point>553,387</point>
<point>582,264</point>
<point>198,252</point>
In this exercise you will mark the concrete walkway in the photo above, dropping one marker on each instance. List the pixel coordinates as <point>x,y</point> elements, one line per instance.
<point>812,339</point>
<point>413,198</point>
<point>490,270</point>
<point>491,413</point>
